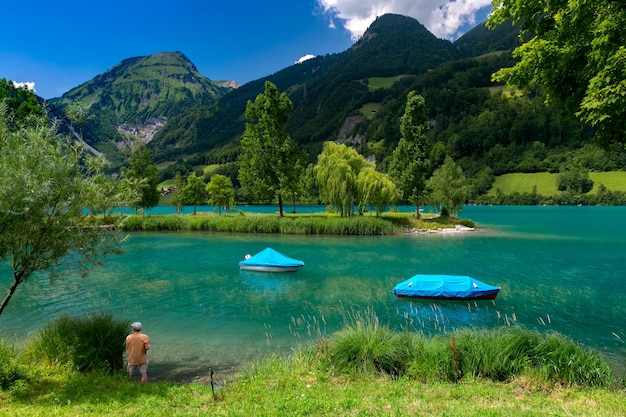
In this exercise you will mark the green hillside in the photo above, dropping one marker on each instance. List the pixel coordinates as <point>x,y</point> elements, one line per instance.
<point>546,183</point>
<point>134,99</point>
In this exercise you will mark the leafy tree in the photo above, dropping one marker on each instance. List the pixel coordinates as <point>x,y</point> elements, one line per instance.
<point>178,183</point>
<point>193,192</point>
<point>376,189</point>
<point>78,114</point>
<point>410,162</point>
<point>21,105</point>
<point>221,193</point>
<point>336,173</point>
<point>575,180</point>
<point>448,187</point>
<point>145,172</point>
<point>576,50</point>
<point>269,159</point>
<point>48,181</point>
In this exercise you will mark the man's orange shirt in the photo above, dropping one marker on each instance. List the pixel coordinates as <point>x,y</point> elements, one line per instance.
<point>137,344</point>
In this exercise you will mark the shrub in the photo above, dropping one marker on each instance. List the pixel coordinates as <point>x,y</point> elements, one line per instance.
<point>11,369</point>
<point>88,343</point>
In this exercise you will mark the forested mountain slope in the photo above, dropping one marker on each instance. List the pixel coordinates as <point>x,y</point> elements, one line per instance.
<point>134,99</point>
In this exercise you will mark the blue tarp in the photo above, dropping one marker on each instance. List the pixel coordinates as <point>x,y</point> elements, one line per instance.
<point>452,287</point>
<point>268,257</point>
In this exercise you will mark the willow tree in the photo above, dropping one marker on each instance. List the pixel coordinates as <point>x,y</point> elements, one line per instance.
<point>576,51</point>
<point>409,163</point>
<point>48,183</point>
<point>336,173</point>
<point>270,163</point>
<point>375,189</point>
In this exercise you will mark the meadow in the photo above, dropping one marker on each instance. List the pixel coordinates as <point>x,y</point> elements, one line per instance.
<point>546,183</point>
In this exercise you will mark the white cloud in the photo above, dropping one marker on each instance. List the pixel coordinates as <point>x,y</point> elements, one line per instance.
<point>443,18</point>
<point>305,58</point>
<point>28,85</point>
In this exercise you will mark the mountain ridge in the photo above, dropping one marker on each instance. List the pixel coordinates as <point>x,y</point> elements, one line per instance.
<point>133,100</point>
<point>326,91</point>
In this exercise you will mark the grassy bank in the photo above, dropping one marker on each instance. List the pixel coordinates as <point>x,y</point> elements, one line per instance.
<point>319,223</point>
<point>364,369</point>
<point>273,389</point>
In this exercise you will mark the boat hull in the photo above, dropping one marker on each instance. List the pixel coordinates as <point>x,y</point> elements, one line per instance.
<point>263,268</point>
<point>445,287</point>
<point>488,296</point>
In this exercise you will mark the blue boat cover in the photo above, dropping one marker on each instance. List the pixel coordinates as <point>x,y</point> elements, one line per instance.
<point>444,286</point>
<point>270,257</point>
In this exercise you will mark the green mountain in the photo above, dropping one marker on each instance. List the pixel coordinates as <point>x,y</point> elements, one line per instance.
<point>327,92</point>
<point>134,100</point>
<point>355,97</point>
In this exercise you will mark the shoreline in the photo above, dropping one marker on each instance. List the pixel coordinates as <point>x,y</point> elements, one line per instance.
<point>459,228</point>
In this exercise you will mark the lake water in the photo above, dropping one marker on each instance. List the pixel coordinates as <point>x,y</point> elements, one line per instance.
<point>560,269</point>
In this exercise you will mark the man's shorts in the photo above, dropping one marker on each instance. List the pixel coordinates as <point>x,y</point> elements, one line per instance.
<point>133,368</point>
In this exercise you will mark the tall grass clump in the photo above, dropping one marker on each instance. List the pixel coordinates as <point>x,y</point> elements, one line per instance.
<point>497,354</point>
<point>558,358</point>
<point>12,369</point>
<point>88,343</point>
<point>434,362</point>
<point>365,347</point>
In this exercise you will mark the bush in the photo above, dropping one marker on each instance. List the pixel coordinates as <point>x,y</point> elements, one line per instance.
<point>11,369</point>
<point>88,343</point>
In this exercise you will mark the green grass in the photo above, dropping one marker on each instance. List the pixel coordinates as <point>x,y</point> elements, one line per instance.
<point>374,83</point>
<point>547,183</point>
<point>369,110</point>
<point>364,369</point>
<point>316,223</point>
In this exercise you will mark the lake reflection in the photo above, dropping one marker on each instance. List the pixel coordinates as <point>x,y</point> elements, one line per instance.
<point>560,268</point>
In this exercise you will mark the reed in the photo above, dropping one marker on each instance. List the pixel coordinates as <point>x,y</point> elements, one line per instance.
<point>258,223</point>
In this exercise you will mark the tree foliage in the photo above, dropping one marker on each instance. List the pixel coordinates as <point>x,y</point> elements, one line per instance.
<point>21,105</point>
<point>221,193</point>
<point>576,51</point>
<point>448,187</point>
<point>336,172</point>
<point>575,180</point>
<point>193,192</point>
<point>410,161</point>
<point>146,175</point>
<point>270,162</point>
<point>375,189</point>
<point>48,182</point>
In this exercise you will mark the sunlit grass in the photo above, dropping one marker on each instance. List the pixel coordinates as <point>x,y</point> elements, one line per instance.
<point>546,183</point>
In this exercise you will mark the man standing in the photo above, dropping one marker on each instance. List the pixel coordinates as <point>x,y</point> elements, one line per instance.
<point>137,345</point>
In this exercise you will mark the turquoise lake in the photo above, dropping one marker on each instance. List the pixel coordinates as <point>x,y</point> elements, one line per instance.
<point>559,268</point>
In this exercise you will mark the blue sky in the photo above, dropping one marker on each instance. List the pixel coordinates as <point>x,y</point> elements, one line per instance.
<point>60,45</point>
